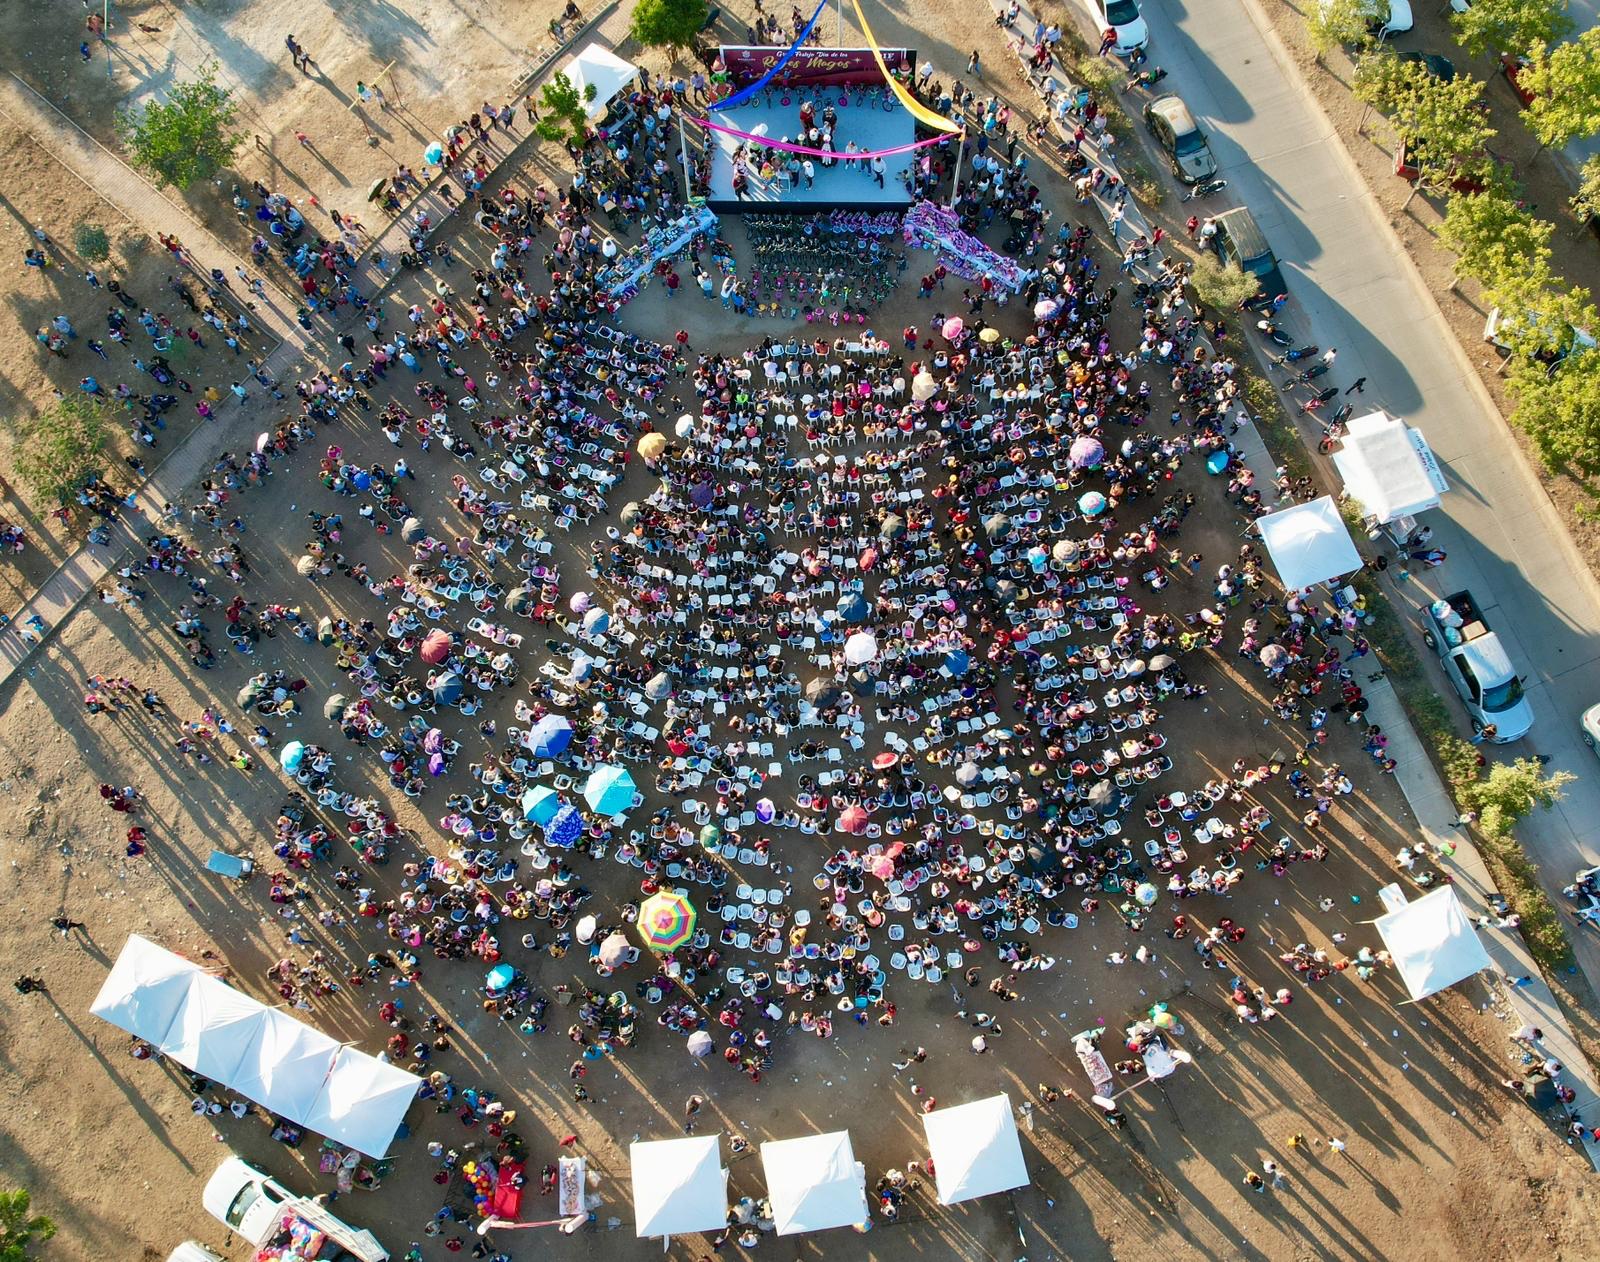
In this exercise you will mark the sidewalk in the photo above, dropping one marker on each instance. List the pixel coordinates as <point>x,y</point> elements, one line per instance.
<point>236,423</point>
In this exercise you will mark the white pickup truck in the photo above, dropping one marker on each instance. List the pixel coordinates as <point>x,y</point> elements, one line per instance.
<point>1478,668</point>
<point>262,1210</point>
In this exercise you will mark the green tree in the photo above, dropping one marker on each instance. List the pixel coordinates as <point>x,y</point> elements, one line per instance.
<point>669,24</point>
<point>58,446</point>
<point>1444,129</point>
<point>564,115</point>
<point>1564,82</point>
<point>1492,235</point>
<point>20,1228</point>
<point>1219,287</point>
<point>91,241</point>
<point>1559,411</point>
<point>189,136</point>
<point>1494,26</point>
<point>1511,791</point>
<point>1381,79</point>
<point>1333,24</point>
<point>1586,201</point>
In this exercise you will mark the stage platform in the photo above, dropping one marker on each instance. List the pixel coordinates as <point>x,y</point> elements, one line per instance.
<point>870,125</point>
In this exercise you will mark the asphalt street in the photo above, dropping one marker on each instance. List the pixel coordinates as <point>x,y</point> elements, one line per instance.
<point>1353,288</point>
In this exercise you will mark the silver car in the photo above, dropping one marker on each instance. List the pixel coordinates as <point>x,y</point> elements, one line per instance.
<point>1180,137</point>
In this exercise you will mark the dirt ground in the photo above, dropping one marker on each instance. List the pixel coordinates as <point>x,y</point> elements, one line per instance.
<point>1576,251</point>
<point>1411,1088</point>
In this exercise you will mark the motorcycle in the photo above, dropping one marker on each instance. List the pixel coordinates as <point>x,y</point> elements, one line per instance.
<point>1205,188</point>
<point>1317,400</point>
<point>1316,370</point>
<point>1295,353</point>
<point>1274,333</point>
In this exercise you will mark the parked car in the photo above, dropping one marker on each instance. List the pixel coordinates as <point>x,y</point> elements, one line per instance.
<point>1181,139</point>
<point>257,1206</point>
<point>1239,241</point>
<point>1123,17</point>
<point>1384,17</point>
<point>1512,67</point>
<point>1408,163</point>
<point>1573,341</point>
<point>1441,68</point>
<point>1590,723</point>
<point>1478,667</point>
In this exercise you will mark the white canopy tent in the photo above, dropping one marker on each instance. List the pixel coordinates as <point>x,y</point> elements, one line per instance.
<point>214,1031</point>
<point>1389,467</point>
<point>1433,941</point>
<point>814,1183</point>
<point>679,1186</point>
<point>362,1102</point>
<point>283,1064</point>
<point>610,75</point>
<point>145,990</point>
<point>975,1149</point>
<point>1309,544</point>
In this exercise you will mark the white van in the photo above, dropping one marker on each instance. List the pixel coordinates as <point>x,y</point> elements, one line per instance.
<point>193,1251</point>
<point>257,1206</point>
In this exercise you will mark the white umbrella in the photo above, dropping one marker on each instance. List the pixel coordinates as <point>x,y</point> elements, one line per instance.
<point>699,1044</point>
<point>860,648</point>
<point>614,951</point>
<point>586,929</point>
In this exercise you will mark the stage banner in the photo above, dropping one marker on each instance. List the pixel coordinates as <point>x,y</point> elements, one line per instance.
<point>811,67</point>
<point>919,111</point>
<point>740,97</point>
<point>841,155</point>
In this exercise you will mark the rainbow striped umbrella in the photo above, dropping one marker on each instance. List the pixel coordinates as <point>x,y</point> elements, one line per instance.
<point>667,920</point>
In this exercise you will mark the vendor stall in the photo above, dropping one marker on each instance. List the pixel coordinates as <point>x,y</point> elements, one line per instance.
<point>814,1183</point>
<point>609,75</point>
<point>975,1149</point>
<point>1389,469</point>
<point>1309,544</point>
<point>1433,942</point>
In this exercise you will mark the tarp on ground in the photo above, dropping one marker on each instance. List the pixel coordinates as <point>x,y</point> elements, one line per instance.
<point>1389,467</point>
<point>814,1183</point>
<point>975,1149</point>
<point>145,990</point>
<point>610,75</point>
<point>679,1186</point>
<point>1433,941</point>
<point>1309,544</point>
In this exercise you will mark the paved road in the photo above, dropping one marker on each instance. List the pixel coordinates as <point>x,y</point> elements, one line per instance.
<point>1354,289</point>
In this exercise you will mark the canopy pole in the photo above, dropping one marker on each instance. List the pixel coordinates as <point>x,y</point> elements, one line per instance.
<point>683,157</point>
<point>961,153</point>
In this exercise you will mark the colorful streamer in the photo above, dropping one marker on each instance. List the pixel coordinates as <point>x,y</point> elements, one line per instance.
<point>740,97</point>
<point>919,111</point>
<point>840,154</point>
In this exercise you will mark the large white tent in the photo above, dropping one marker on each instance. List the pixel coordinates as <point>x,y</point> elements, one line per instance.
<point>1309,544</point>
<point>609,74</point>
<point>281,1063</point>
<point>1433,941</point>
<point>679,1186</point>
<point>814,1183</point>
<point>975,1149</point>
<point>1388,467</point>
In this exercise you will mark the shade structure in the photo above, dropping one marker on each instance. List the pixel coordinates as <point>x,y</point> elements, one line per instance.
<point>860,648</point>
<point>334,706</point>
<point>564,828</point>
<point>435,647</point>
<point>283,1064</point>
<point>549,736</point>
<point>413,531</point>
<point>1389,467</point>
<point>362,1102</point>
<point>679,1186</point>
<point>814,1183</point>
<point>291,756</point>
<point>659,688</point>
<point>652,445</point>
<point>286,1065</point>
<point>213,1031</point>
<point>613,951</point>
<point>975,1149</point>
<point>666,920</point>
<point>540,804</point>
<point>145,990</point>
<point>598,67</point>
<point>609,791</point>
<point>1309,544</point>
<point>1433,942</point>
<point>448,687</point>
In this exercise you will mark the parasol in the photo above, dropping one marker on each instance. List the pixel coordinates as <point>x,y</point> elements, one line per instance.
<point>967,773</point>
<point>1160,661</point>
<point>614,951</point>
<point>334,706</point>
<point>1274,656</point>
<point>666,920</point>
<point>853,607</point>
<point>549,736</point>
<point>652,445</point>
<point>1064,551</point>
<point>435,647</point>
<point>700,1044</point>
<point>990,335</point>
<point>924,387</point>
<point>291,756</point>
<point>306,565</point>
<point>885,760</point>
<point>710,835</point>
<point>584,929</point>
<point>853,819</point>
<point>1086,453</point>
<point>997,527</point>
<point>953,328</point>
<point>957,662</point>
<point>1091,503</point>
<point>540,804</point>
<point>609,790</point>
<point>564,828</point>
<point>596,622</point>
<point>630,513</point>
<point>580,602</point>
<point>413,531</point>
<point>659,688</point>
<point>448,687</point>
<point>1146,894</point>
<point>860,648</point>
<point>684,427</point>
<point>766,812</point>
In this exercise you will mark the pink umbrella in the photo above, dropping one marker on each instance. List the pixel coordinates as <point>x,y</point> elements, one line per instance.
<point>954,327</point>
<point>435,646</point>
<point>869,558</point>
<point>436,764</point>
<point>432,741</point>
<point>882,867</point>
<point>853,819</point>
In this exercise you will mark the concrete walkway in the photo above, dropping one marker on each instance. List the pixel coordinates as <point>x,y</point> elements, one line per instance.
<point>236,423</point>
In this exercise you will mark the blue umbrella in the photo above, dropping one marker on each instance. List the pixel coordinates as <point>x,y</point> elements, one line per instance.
<point>1216,462</point>
<point>596,622</point>
<point>956,663</point>
<point>500,977</point>
<point>609,791</point>
<point>291,756</point>
<point>540,804</point>
<point>854,608</point>
<point>564,828</point>
<point>549,736</point>
<point>447,689</point>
